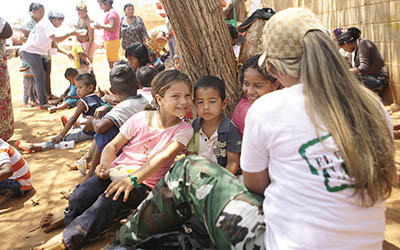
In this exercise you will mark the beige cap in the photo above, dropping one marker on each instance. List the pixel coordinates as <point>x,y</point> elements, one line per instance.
<point>284,32</point>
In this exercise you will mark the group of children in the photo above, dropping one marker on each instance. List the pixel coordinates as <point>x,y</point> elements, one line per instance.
<point>139,123</point>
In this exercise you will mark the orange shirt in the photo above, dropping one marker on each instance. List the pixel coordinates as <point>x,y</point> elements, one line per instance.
<point>21,172</point>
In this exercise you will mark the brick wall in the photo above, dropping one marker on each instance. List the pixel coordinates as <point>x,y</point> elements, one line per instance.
<point>378,20</point>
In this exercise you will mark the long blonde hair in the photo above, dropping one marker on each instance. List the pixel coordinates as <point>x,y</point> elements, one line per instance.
<point>351,113</point>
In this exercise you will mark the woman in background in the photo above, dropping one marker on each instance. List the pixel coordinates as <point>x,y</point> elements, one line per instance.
<point>132,27</point>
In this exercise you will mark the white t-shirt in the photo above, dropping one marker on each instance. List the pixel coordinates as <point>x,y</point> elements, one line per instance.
<point>308,204</point>
<point>126,109</point>
<point>39,41</point>
<point>146,93</point>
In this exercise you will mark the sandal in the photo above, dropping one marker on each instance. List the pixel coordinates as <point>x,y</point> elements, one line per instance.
<point>64,120</point>
<point>52,97</point>
<point>25,150</point>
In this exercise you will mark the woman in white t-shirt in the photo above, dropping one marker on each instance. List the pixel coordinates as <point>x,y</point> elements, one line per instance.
<point>321,149</point>
<point>41,41</point>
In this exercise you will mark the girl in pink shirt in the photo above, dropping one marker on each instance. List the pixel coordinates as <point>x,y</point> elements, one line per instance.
<point>256,82</point>
<point>111,31</point>
<point>150,141</point>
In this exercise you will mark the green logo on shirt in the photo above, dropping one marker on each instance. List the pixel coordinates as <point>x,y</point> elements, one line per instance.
<point>325,165</point>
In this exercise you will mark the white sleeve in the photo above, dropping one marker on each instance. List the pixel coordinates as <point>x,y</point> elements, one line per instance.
<point>255,155</point>
<point>50,29</point>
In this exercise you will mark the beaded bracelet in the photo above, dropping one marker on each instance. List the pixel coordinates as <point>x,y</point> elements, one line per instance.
<point>134,181</point>
<point>108,105</point>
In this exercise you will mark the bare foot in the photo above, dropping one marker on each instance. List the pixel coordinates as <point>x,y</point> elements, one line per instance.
<point>49,222</point>
<point>55,243</point>
<point>28,147</point>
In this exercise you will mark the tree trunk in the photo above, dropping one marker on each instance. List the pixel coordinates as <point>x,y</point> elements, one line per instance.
<point>203,42</point>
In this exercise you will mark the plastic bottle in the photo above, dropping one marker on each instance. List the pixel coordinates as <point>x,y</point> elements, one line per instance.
<point>65,145</point>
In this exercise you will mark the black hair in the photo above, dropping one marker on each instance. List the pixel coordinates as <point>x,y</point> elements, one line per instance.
<point>71,72</point>
<point>139,51</point>
<point>128,5</point>
<point>88,79</point>
<point>211,82</point>
<point>232,31</point>
<point>351,35</point>
<point>145,75</point>
<point>35,6</point>
<point>123,79</point>
<point>252,62</point>
<point>110,2</point>
<point>122,61</point>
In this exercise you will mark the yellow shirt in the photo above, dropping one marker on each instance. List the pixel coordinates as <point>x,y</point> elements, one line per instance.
<point>76,50</point>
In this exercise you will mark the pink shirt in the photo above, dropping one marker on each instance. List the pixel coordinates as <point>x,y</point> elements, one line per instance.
<point>239,114</point>
<point>108,35</point>
<point>145,141</point>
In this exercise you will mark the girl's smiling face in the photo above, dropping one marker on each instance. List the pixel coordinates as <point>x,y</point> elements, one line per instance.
<point>256,85</point>
<point>177,99</point>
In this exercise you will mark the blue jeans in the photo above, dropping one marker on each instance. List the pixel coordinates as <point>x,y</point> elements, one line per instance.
<point>11,187</point>
<point>76,135</point>
<point>36,64</point>
<point>89,212</point>
<point>29,89</point>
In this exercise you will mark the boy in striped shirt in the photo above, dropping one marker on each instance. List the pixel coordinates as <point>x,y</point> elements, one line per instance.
<point>15,177</point>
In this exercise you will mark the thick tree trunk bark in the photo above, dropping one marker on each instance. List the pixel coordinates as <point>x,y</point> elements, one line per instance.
<point>203,42</point>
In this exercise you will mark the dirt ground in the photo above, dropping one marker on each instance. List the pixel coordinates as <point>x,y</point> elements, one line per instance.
<point>52,178</point>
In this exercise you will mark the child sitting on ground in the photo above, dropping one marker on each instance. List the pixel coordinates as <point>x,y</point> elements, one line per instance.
<point>15,177</point>
<point>123,84</point>
<point>215,137</point>
<point>29,85</point>
<point>145,75</point>
<point>70,97</point>
<point>256,82</point>
<point>150,141</point>
<point>85,86</point>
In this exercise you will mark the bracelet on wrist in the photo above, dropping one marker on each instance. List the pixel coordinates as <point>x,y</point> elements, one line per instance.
<point>134,181</point>
<point>108,105</point>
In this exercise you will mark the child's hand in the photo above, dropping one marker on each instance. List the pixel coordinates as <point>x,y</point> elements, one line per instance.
<point>101,111</point>
<point>57,139</point>
<point>118,187</point>
<point>102,171</point>
<point>87,124</point>
<point>71,56</point>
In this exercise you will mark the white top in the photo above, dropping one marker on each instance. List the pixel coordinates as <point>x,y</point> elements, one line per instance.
<point>126,109</point>
<point>206,145</point>
<point>39,41</point>
<point>146,93</point>
<point>308,204</point>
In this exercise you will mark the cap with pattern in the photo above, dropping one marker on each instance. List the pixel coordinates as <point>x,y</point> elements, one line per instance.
<point>284,32</point>
<point>56,14</point>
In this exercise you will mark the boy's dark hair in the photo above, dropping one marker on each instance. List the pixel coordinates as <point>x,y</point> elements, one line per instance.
<point>145,75</point>
<point>252,62</point>
<point>211,82</point>
<point>139,51</point>
<point>88,79</point>
<point>70,72</point>
<point>123,79</point>
<point>35,6</point>
<point>232,31</point>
